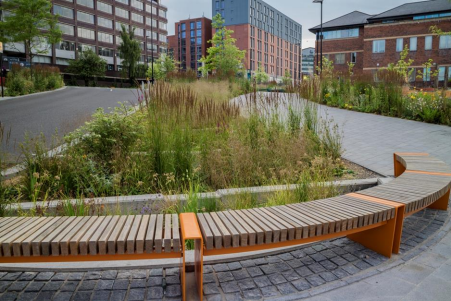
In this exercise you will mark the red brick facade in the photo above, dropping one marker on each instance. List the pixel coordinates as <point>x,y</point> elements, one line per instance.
<point>181,44</point>
<point>368,61</point>
<point>275,54</point>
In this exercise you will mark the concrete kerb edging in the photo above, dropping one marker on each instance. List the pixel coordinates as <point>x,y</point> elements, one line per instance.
<point>222,194</point>
<point>33,94</point>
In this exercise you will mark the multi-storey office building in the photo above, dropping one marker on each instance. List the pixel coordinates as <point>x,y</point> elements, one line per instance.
<point>96,24</point>
<point>270,38</point>
<point>308,61</point>
<point>373,42</point>
<point>190,42</point>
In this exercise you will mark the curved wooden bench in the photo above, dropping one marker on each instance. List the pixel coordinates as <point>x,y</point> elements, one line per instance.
<point>372,217</point>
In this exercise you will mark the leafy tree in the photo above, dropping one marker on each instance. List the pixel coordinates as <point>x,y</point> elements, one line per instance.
<point>164,65</point>
<point>223,57</point>
<point>429,73</point>
<point>260,75</point>
<point>286,79</point>
<point>328,68</point>
<point>87,65</point>
<point>24,21</point>
<point>403,65</point>
<point>130,52</point>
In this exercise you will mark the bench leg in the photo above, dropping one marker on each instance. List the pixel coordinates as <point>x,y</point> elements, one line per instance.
<point>191,231</point>
<point>384,240</point>
<point>442,203</point>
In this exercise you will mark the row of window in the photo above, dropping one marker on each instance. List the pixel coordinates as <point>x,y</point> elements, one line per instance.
<point>103,51</point>
<point>341,34</point>
<point>106,37</point>
<point>104,22</point>
<point>445,43</point>
<point>193,25</point>
<point>108,8</point>
<point>343,58</point>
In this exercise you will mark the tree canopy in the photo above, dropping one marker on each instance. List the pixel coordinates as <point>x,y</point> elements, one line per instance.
<point>224,57</point>
<point>164,65</point>
<point>260,75</point>
<point>87,65</point>
<point>129,52</point>
<point>29,22</point>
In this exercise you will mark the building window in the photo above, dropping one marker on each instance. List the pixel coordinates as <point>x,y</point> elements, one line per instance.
<point>105,22</point>
<point>399,45</point>
<point>340,58</point>
<point>87,3</point>
<point>341,34</point>
<point>121,13</point>
<point>66,29</point>
<point>139,31</point>
<point>163,25</point>
<point>104,7</point>
<point>84,17</point>
<point>63,11</point>
<point>137,18</point>
<point>119,26</point>
<point>105,37</point>
<point>106,52</point>
<point>84,47</point>
<point>162,13</point>
<point>86,33</point>
<point>66,45</point>
<point>353,57</point>
<point>445,42</point>
<point>199,25</point>
<point>139,5</point>
<point>441,73</point>
<point>412,75</point>
<point>413,43</point>
<point>379,46</point>
<point>428,43</point>
<point>422,17</point>
<point>123,1</point>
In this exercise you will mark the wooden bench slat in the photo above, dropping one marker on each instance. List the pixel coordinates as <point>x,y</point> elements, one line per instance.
<point>280,233</point>
<point>268,232</point>
<point>226,236</point>
<point>301,218</point>
<point>131,238</point>
<point>122,238</point>
<point>150,234</point>
<point>158,241</point>
<point>113,237</point>
<point>141,236</point>
<point>260,233</point>
<point>235,235</point>
<point>70,242</point>
<point>252,233</point>
<point>301,230</point>
<point>55,243</point>
<point>175,233</point>
<point>84,241</point>
<point>243,235</point>
<point>7,241</point>
<point>27,243</point>
<point>290,229</point>
<point>93,241</point>
<point>217,236</point>
<point>206,231</point>
<point>103,240</point>
<point>167,233</point>
<point>15,242</point>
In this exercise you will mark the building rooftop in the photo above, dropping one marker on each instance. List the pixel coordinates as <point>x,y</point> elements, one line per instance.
<point>414,8</point>
<point>351,19</point>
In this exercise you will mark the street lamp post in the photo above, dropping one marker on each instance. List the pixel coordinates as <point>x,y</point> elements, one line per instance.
<point>151,39</point>
<point>321,35</point>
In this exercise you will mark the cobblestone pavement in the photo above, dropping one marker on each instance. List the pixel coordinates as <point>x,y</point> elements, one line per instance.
<point>302,273</point>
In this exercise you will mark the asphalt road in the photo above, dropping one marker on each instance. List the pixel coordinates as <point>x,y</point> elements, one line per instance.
<point>62,111</point>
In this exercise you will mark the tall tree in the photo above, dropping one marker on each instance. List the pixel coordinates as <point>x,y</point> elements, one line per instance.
<point>261,76</point>
<point>29,22</point>
<point>87,65</point>
<point>164,65</point>
<point>130,51</point>
<point>223,57</point>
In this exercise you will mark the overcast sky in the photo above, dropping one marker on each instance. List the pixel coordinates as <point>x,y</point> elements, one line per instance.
<point>303,11</point>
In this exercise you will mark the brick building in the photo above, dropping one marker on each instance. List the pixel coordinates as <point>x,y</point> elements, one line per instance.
<point>96,24</point>
<point>375,41</point>
<point>190,42</point>
<point>270,38</point>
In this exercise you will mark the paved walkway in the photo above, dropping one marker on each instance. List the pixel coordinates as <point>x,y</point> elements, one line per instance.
<point>370,140</point>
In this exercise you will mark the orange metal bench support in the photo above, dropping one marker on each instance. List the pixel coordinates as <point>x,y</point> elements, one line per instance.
<point>441,203</point>
<point>384,240</point>
<point>191,231</point>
